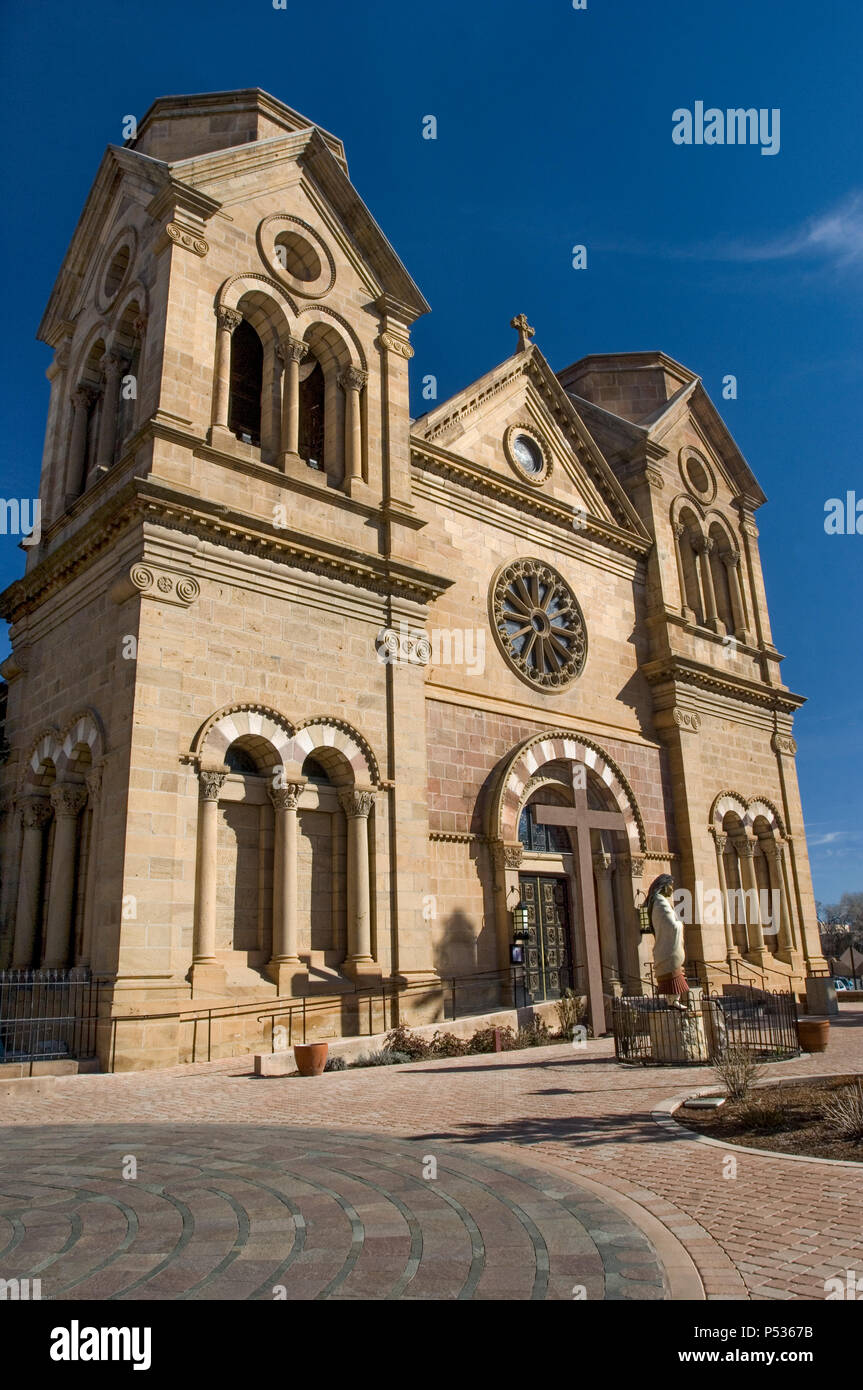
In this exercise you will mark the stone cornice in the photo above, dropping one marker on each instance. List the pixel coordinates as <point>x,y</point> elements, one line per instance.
<point>679,671</point>
<point>146,500</point>
<point>522,496</point>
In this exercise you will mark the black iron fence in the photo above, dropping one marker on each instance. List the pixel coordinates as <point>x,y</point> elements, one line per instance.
<point>701,1027</point>
<point>46,1016</point>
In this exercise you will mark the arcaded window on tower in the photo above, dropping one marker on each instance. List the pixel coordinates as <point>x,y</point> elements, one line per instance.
<point>247,377</point>
<point>312,393</point>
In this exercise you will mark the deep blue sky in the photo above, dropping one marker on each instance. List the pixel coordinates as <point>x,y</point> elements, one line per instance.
<point>554,128</point>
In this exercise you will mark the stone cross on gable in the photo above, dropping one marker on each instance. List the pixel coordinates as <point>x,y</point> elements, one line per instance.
<point>580,819</point>
<point>525,332</point>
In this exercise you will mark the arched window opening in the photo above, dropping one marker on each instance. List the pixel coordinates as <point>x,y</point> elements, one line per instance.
<point>313,770</point>
<point>719,572</point>
<point>541,839</point>
<point>312,413</point>
<point>689,534</point>
<point>246,384</point>
<point>239,760</point>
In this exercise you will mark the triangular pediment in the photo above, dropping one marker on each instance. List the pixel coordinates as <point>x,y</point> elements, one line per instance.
<point>475,428</point>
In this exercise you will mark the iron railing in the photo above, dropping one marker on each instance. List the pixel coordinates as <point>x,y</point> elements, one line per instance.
<point>651,1028</point>
<point>46,1016</point>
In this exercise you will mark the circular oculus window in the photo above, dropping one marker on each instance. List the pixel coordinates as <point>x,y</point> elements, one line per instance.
<point>527,454</point>
<point>538,624</point>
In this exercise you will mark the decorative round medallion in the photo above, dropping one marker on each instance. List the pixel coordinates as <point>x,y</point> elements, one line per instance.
<point>697,474</point>
<point>527,454</point>
<point>296,255</point>
<point>538,624</point>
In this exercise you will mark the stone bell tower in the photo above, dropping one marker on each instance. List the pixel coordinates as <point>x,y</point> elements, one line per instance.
<point>227,526</point>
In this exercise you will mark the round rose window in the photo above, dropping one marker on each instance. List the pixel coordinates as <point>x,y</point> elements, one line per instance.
<point>538,624</point>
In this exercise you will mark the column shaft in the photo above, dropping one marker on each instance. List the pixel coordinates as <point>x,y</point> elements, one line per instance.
<point>204,947</point>
<point>603,867</point>
<point>110,403</point>
<point>227,320</point>
<point>35,815</point>
<point>285,924</point>
<point>67,800</point>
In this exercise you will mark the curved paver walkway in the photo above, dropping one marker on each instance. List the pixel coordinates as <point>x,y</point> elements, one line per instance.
<point>573,1117</point>
<point>222,1211</point>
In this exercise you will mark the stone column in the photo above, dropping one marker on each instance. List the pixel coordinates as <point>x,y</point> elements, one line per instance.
<point>603,868</point>
<point>703,545</point>
<point>208,976</point>
<point>35,815</point>
<point>82,400</point>
<point>113,367</point>
<point>293,351</point>
<point>720,840</point>
<point>746,854</point>
<point>357,805</point>
<point>352,381</point>
<point>285,967</point>
<point>775,868</point>
<point>731,561</point>
<point>227,320</point>
<point>68,800</point>
<point>680,533</point>
<point>94,797</point>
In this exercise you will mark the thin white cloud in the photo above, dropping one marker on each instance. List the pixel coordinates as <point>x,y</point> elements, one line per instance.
<point>830,838</point>
<point>835,236</point>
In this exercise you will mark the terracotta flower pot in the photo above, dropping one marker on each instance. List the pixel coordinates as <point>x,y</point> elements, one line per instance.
<point>814,1034</point>
<point>311,1058</point>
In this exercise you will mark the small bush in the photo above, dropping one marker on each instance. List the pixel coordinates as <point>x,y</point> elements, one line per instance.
<point>448,1045</point>
<point>535,1034</point>
<point>738,1070</point>
<point>336,1064</point>
<point>843,1111</point>
<point>383,1058</point>
<point>763,1112</point>
<point>483,1039</point>
<point>401,1039</point>
<point>571,1010</point>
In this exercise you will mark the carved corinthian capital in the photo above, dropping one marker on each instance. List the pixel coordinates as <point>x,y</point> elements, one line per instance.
<point>35,812</point>
<point>286,798</point>
<point>356,804</point>
<point>229,319</point>
<point>68,799</point>
<point>353,379</point>
<point>210,784</point>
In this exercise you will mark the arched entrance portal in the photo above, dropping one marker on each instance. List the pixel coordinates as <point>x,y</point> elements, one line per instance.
<point>569,845</point>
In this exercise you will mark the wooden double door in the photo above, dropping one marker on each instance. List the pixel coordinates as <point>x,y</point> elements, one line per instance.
<point>548,951</point>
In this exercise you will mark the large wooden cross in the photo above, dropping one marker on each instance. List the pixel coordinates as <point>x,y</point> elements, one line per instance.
<point>580,819</point>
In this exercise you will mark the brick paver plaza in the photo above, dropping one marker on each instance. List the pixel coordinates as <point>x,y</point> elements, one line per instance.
<point>539,1174</point>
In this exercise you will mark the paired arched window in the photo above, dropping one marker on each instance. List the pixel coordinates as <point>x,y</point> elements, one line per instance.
<point>246,386</point>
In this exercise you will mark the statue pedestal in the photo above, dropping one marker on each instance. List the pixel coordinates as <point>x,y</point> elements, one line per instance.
<point>677,1035</point>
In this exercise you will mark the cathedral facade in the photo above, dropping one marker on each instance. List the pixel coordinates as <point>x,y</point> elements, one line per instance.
<point>311,700</point>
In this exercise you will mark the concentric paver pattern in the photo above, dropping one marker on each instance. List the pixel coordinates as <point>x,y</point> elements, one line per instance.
<point>572,1122</point>
<point>229,1212</point>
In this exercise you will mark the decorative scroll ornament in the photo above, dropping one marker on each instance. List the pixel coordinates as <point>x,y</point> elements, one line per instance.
<point>538,624</point>
<point>406,647</point>
<point>687,719</point>
<point>181,237</point>
<point>783,743</point>
<point>393,344</point>
<point>178,590</point>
